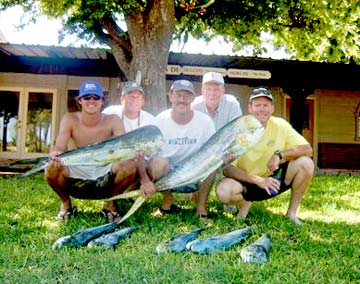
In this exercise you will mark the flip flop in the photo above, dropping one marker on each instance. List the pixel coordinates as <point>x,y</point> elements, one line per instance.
<point>65,215</point>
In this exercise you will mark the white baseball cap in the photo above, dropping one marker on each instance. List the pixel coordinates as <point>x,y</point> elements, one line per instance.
<point>213,77</point>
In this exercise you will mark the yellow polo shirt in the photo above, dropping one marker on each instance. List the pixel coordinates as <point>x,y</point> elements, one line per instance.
<point>278,135</point>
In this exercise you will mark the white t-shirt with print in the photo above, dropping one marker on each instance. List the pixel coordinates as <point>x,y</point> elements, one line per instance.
<point>183,140</point>
<point>145,118</point>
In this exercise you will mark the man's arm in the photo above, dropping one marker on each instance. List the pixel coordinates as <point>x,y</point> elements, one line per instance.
<point>288,155</point>
<point>118,125</point>
<point>63,136</point>
<point>147,186</point>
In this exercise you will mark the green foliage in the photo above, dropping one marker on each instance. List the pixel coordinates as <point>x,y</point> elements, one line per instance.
<point>323,250</point>
<point>311,30</point>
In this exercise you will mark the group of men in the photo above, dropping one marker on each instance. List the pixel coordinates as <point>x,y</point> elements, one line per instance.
<point>186,126</point>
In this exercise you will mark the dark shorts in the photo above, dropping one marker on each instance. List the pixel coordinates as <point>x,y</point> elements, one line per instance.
<point>192,187</point>
<point>100,188</point>
<point>254,193</point>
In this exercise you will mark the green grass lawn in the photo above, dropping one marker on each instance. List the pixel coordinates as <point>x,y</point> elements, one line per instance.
<point>324,250</point>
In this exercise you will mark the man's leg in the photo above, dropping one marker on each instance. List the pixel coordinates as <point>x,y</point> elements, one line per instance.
<point>203,195</point>
<point>229,191</point>
<point>125,175</point>
<point>159,167</point>
<point>57,176</point>
<point>299,174</point>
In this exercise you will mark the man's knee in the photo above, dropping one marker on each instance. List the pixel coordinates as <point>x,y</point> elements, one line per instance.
<point>158,167</point>
<point>306,166</point>
<point>227,189</point>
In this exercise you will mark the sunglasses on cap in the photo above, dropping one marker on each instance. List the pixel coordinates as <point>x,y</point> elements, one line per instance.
<point>94,97</point>
<point>259,91</point>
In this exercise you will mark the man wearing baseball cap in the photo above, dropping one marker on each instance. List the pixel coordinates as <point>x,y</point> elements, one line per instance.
<point>221,107</point>
<point>184,131</point>
<point>280,161</point>
<point>213,101</point>
<point>85,127</point>
<point>130,110</point>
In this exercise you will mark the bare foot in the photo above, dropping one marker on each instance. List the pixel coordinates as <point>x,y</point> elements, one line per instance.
<point>294,219</point>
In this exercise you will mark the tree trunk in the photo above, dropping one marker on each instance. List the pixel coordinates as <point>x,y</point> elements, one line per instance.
<point>150,34</point>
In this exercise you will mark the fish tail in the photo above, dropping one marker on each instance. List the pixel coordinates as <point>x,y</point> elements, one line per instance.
<point>34,170</point>
<point>125,195</point>
<point>138,202</point>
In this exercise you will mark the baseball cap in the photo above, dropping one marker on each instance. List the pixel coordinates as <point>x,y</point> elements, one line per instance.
<point>182,85</point>
<point>91,88</point>
<point>213,77</point>
<point>261,92</point>
<point>132,86</point>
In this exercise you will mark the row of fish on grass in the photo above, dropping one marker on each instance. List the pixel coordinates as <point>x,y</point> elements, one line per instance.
<point>256,252</point>
<point>107,237</point>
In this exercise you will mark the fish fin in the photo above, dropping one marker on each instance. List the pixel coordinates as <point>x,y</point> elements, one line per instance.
<point>138,202</point>
<point>125,195</point>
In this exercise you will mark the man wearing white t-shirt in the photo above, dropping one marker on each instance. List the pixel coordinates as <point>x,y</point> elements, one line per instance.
<point>185,131</point>
<point>130,111</point>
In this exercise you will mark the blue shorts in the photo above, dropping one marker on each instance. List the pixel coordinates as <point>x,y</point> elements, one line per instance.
<point>254,193</point>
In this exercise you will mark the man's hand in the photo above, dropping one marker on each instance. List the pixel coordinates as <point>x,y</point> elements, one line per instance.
<point>273,163</point>
<point>148,188</point>
<point>268,183</point>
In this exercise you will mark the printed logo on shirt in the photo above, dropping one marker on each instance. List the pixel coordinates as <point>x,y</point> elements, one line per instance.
<point>182,141</point>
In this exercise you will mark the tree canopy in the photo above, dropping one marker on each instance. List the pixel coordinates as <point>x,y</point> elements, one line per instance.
<point>140,32</point>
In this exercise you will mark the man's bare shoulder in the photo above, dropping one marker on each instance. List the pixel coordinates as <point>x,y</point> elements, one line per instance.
<point>70,118</point>
<point>111,118</point>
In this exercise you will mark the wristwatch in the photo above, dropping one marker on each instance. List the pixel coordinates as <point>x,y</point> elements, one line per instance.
<point>278,153</point>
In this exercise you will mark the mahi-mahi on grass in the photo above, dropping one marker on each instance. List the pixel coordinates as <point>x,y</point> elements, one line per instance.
<point>147,139</point>
<point>228,143</point>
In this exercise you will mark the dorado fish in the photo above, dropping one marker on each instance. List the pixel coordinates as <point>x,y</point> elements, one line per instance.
<point>178,242</point>
<point>218,243</point>
<point>229,142</point>
<point>109,241</point>
<point>148,139</point>
<point>257,252</point>
<point>83,237</point>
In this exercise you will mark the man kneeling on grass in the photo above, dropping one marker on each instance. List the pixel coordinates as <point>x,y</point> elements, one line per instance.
<point>281,160</point>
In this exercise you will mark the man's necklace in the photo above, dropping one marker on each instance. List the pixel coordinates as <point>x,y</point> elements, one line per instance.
<point>138,120</point>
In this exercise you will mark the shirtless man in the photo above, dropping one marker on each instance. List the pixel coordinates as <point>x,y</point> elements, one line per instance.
<point>85,127</point>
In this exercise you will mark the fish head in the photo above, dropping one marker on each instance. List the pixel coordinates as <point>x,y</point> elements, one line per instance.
<point>249,131</point>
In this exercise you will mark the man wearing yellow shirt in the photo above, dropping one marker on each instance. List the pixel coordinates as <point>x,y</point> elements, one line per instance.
<point>281,160</point>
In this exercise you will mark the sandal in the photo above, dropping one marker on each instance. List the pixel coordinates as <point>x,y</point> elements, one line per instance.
<point>160,212</point>
<point>65,215</point>
<point>111,216</point>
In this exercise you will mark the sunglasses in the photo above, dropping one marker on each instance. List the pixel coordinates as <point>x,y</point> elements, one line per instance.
<point>259,91</point>
<point>94,97</point>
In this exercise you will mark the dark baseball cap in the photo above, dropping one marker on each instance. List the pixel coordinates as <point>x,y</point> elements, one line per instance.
<point>185,85</point>
<point>132,86</point>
